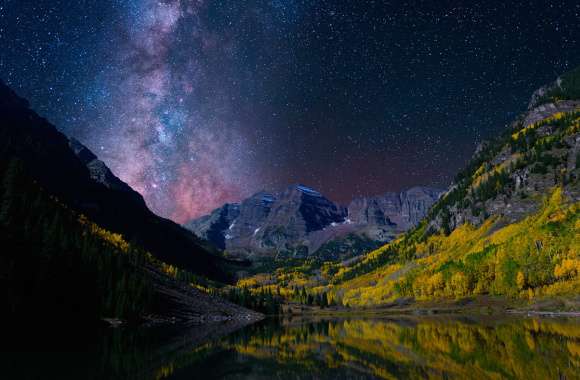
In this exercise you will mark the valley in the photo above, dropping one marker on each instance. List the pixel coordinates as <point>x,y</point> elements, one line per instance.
<point>507,228</point>
<point>289,190</point>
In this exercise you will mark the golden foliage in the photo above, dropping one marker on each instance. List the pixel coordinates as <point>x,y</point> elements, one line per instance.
<point>416,348</point>
<point>538,256</point>
<point>568,269</point>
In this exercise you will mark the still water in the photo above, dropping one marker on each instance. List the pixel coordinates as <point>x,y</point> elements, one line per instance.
<point>354,348</point>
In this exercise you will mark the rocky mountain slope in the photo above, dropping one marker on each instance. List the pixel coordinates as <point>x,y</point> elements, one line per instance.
<point>301,222</point>
<point>508,176</point>
<point>404,209</point>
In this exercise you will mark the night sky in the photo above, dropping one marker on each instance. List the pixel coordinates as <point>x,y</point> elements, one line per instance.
<point>199,102</point>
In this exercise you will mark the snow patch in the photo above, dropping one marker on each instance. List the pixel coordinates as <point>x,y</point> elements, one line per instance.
<point>308,191</point>
<point>268,198</point>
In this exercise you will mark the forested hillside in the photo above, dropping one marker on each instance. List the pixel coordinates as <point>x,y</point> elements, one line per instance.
<point>508,226</point>
<point>57,266</point>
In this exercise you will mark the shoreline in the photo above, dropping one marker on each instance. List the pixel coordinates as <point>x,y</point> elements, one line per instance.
<point>484,305</point>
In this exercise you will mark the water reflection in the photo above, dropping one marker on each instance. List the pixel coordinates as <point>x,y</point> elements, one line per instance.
<point>411,348</point>
<point>386,348</point>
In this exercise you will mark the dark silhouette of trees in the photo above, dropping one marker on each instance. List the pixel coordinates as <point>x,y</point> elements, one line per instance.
<point>56,265</point>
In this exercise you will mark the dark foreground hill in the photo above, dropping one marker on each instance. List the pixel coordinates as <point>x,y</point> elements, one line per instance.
<point>79,245</point>
<point>69,171</point>
<point>300,222</point>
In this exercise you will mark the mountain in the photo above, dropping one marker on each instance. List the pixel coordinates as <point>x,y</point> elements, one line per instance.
<point>508,227</point>
<point>509,176</point>
<point>54,259</point>
<point>300,222</point>
<point>79,245</point>
<point>72,173</point>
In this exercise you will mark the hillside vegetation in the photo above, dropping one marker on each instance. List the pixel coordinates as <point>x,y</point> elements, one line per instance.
<point>567,87</point>
<point>536,257</point>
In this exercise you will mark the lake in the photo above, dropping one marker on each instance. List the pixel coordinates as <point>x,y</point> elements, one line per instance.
<point>408,347</point>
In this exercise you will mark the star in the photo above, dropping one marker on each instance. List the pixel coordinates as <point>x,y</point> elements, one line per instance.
<point>198,103</point>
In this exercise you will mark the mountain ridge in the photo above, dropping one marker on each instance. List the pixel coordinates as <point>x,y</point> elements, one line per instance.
<point>299,221</point>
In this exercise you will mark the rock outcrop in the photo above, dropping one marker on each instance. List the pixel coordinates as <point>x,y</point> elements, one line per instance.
<point>98,170</point>
<point>403,209</point>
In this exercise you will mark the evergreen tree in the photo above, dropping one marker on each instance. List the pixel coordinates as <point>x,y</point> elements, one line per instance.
<point>10,191</point>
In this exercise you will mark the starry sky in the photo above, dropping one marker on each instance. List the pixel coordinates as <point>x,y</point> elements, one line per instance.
<point>199,102</point>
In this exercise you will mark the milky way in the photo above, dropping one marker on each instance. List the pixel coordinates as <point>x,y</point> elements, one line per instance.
<point>199,102</point>
<point>183,160</point>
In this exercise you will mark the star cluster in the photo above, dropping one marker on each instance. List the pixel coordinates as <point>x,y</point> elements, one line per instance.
<point>199,102</point>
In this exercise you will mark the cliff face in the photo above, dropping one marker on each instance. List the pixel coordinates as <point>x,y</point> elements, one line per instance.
<point>301,222</point>
<point>99,172</point>
<point>403,209</point>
